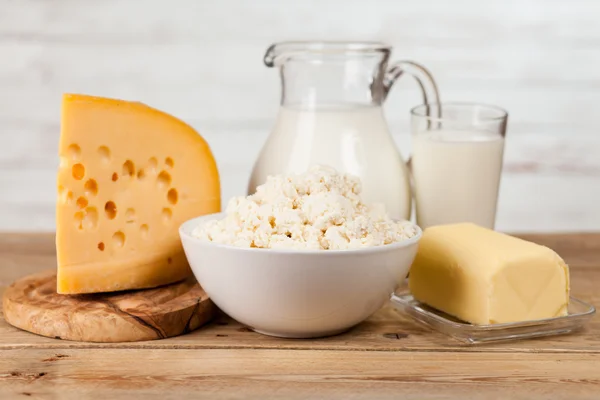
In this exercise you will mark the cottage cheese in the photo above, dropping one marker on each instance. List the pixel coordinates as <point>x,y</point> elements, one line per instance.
<point>318,210</point>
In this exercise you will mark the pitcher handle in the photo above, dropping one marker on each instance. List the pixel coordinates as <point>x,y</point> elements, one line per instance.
<point>424,79</point>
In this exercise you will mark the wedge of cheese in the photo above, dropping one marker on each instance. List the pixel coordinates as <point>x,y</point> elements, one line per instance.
<point>129,176</point>
<point>485,277</point>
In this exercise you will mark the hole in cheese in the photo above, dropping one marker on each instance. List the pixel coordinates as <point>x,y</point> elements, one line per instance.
<point>82,202</point>
<point>130,215</point>
<point>91,187</point>
<point>167,214</point>
<point>79,219</point>
<point>115,177</point>
<point>172,196</point>
<point>141,174</point>
<point>65,196</point>
<point>128,168</point>
<point>163,180</point>
<point>104,153</point>
<point>74,152</point>
<point>153,164</point>
<point>78,171</point>
<point>169,162</point>
<point>118,239</point>
<point>144,231</point>
<point>110,208</point>
<point>90,220</point>
<point>101,246</point>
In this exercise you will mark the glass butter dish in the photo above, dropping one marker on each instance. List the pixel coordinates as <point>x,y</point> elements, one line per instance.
<point>579,313</point>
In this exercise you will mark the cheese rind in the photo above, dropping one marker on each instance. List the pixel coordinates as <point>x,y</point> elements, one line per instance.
<point>129,176</point>
<point>485,277</point>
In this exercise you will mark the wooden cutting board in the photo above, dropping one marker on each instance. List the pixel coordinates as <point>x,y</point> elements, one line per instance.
<point>32,304</point>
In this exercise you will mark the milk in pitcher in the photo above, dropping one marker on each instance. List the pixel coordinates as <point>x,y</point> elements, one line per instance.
<point>351,138</point>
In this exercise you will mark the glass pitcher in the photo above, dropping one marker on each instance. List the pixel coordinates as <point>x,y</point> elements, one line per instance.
<point>331,113</point>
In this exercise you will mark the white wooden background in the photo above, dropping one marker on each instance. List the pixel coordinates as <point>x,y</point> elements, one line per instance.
<point>201,60</point>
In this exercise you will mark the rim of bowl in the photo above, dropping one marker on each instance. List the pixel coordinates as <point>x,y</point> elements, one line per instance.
<point>185,230</point>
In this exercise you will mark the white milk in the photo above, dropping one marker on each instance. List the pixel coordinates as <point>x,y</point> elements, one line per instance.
<point>353,139</point>
<point>457,176</point>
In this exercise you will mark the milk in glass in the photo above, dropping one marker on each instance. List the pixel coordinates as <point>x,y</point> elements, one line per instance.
<point>456,176</point>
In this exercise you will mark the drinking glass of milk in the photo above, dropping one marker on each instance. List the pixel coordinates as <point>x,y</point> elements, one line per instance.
<point>457,162</point>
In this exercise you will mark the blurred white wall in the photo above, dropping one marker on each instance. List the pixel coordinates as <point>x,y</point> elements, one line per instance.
<point>202,61</point>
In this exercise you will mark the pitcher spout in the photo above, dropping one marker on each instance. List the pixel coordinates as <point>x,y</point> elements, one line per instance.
<point>271,55</point>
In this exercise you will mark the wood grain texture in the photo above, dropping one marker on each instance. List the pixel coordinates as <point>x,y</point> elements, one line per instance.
<point>388,356</point>
<point>202,61</point>
<point>287,374</point>
<point>32,304</point>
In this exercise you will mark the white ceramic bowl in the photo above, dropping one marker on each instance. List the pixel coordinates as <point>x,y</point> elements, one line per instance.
<point>297,294</point>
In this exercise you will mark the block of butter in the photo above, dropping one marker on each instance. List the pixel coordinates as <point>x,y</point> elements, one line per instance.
<point>486,277</point>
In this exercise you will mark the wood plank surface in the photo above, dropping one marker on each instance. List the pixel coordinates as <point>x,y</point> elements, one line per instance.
<point>388,356</point>
<point>287,374</point>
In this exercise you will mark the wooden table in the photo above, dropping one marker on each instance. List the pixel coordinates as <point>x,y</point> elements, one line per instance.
<point>388,356</point>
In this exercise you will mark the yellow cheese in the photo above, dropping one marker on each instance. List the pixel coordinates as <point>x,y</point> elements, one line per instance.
<point>485,277</point>
<point>129,176</point>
